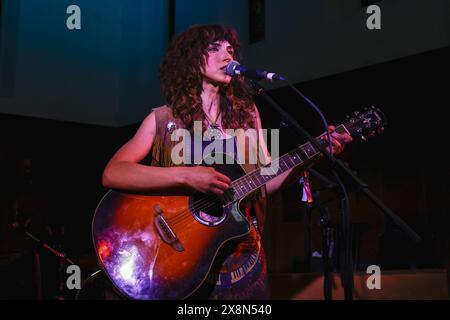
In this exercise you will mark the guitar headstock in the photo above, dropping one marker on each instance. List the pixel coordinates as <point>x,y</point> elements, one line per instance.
<point>366,123</point>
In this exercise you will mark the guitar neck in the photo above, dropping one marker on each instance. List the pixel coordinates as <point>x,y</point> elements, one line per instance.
<point>245,185</point>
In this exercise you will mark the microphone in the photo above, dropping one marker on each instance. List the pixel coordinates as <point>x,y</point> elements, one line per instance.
<point>234,68</point>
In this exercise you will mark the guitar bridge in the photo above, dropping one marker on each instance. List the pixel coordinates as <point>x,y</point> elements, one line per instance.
<point>165,231</point>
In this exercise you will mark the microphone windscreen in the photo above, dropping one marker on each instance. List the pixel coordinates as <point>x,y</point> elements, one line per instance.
<point>231,68</point>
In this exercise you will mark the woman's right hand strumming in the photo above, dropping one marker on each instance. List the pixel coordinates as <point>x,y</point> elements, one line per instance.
<point>206,180</point>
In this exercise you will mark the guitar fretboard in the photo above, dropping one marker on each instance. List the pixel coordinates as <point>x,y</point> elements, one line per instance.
<point>242,187</point>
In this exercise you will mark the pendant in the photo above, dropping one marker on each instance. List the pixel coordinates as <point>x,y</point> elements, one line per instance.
<point>213,132</point>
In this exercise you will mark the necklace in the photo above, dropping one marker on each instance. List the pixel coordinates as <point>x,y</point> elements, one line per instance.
<point>213,132</point>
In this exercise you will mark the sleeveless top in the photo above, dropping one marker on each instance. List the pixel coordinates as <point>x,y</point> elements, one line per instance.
<point>239,270</point>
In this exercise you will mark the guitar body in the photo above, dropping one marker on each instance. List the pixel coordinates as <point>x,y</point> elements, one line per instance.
<point>162,247</point>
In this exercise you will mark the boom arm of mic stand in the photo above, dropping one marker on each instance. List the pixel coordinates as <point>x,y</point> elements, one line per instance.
<point>49,248</point>
<point>335,163</point>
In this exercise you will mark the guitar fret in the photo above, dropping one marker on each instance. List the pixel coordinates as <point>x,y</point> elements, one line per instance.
<point>283,165</point>
<point>244,184</point>
<point>258,177</point>
<point>251,184</point>
<point>271,172</point>
<point>289,161</point>
<point>309,150</point>
<point>272,166</point>
<point>247,186</point>
<point>292,160</point>
<point>296,158</point>
<point>237,193</point>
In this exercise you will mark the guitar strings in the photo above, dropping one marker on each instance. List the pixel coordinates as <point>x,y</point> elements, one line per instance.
<point>200,205</point>
<point>204,204</point>
<point>187,213</point>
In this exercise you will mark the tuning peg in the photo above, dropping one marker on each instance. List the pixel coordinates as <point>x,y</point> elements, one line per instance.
<point>363,138</point>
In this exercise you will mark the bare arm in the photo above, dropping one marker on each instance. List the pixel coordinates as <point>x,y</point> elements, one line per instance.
<point>282,180</point>
<point>123,171</point>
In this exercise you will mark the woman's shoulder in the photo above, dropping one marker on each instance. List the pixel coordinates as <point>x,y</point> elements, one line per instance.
<point>163,110</point>
<point>163,114</point>
<point>165,120</point>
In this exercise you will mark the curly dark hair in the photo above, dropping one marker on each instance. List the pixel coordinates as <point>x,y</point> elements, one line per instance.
<point>181,77</point>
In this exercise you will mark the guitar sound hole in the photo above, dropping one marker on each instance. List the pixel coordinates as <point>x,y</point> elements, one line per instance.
<point>207,209</point>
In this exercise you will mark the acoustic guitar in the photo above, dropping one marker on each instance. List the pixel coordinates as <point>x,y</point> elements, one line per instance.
<point>163,247</point>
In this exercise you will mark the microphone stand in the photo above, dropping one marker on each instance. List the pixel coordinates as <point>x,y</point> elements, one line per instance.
<point>338,165</point>
<point>63,259</point>
<point>327,232</point>
<point>38,243</point>
<point>327,248</point>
